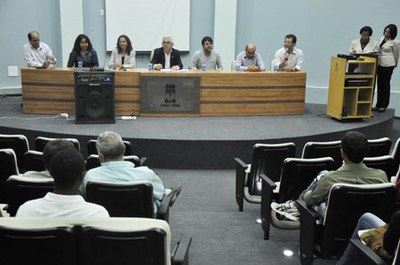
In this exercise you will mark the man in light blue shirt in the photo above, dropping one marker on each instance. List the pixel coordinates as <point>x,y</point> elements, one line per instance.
<point>249,60</point>
<point>111,149</point>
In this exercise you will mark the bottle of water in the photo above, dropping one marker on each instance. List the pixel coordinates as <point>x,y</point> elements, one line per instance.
<point>111,66</point>
<point>80,66</point>
<point>203,67</point>
<point>275,68</point>
<point>150,67</point>
<point>237,68</point>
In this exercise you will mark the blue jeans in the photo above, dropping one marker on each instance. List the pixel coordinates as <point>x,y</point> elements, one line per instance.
<point>366,221</point>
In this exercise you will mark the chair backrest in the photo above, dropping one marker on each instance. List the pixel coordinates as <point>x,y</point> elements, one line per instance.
<point>8,167</point>
<point>379,147</point>
<point>346,204</point>
<point>18,142</point>
<point>32,160</point>
<point>267,159</point>
<point>396,154</point>
<point>386,163</point>
<point>233,65</point>
<point>122,199</point>
<point>21,189</point>
<point>40,142</point>
<point>298,173</point>
<point>93,161</point>
<point>93,241</point>
<point>92,150</point>
<point>31,244</point>
<point>323,149</point>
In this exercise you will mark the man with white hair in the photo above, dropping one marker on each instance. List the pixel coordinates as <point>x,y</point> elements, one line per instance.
<point>166,57</point>
<point>111,149</point>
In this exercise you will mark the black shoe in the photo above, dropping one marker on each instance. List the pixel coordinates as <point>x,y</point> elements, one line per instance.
<point>374,109</point>
<point>381,110</point>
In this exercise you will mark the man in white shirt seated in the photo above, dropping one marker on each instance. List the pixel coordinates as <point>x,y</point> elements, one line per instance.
<point>67,167</point>
<point>250,60</point>
<point>36,53</point>
<point>289,58</point>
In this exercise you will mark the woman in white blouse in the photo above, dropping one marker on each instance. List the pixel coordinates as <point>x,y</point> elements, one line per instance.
<point>123,57</point>
<point>387,61</point>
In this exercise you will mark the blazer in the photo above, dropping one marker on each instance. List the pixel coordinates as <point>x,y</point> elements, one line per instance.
<point>390,52</point>
<point>159,58</point>
<point>116,57</point>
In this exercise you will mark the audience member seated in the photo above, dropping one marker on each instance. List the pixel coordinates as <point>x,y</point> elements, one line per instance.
<point>166,57</point>
<point>250,60</point>
<point>84,52</point>
<point>387,236</point>
<point>111,148</point>
<point>354,147</point>
<point>36,53</point>
<point>49,151</point>
<point>67,167</point>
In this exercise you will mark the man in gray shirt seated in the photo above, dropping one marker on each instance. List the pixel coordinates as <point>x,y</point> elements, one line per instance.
<point>206,56</point>
<point>250,60</point>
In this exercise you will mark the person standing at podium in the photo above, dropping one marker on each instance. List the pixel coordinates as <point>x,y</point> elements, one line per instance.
<point>84,52</point>
<point>389,49</point>
<point>365,44</point>
<point>289,58</point>
<point>123,57</point>
<point>36,53</point>
<point>166,57</point>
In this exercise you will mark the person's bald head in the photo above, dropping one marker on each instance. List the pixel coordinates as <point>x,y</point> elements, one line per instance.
<point>250,50</point>
<point>34,39</point>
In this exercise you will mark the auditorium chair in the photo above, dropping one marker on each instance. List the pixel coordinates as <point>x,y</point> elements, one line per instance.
<point>297,174</point>
<point>88,241</point>
<point>32,161</point>
<point>93,161</point>
<point>385,163</point>
<point>41,141</point>
<point>8,167</point>
<point>379,147</point>
<point>266,159</point>
<point>92,150</point>
<point>327,231</point>
<point>20,189</point>
<point>27,241</point>
<point>323,149</point>
<point>130,198</point>
<point>366,256</point>
<point>396,154</point>
<point>17,142</point>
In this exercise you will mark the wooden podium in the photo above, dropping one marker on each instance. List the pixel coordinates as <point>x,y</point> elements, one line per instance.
<point>351,87</point>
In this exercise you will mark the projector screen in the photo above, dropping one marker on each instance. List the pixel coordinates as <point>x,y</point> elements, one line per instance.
<point>146,22</point>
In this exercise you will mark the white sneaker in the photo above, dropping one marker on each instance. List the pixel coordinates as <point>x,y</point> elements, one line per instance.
<point>286,209</point>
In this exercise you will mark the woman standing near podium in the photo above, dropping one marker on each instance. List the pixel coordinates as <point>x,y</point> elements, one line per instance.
<point>387,61</point>
<point>84,52</point>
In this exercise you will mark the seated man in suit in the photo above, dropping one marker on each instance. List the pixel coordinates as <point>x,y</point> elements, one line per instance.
<point>111,149</point>
<point>50,149</point>
<point>354,147</point>
<point>67,167</point>
<point>166,57</point>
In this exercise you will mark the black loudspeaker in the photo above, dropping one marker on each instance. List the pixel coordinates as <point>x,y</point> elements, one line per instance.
<point>94,97</point>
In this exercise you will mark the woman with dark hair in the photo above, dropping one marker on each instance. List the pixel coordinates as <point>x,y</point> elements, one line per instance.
<point>387,61</point>
<point>123,57</point>
<point>364,44</point>
<point>83,52</point>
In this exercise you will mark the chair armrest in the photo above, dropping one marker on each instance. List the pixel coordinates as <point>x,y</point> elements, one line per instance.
<point>143,160</point>
<point>267,190</point>
<point>168,201</point>
<point>240,181</point>
<point>364,255</point>
<point>308,227</point>
<point>180,253</point>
